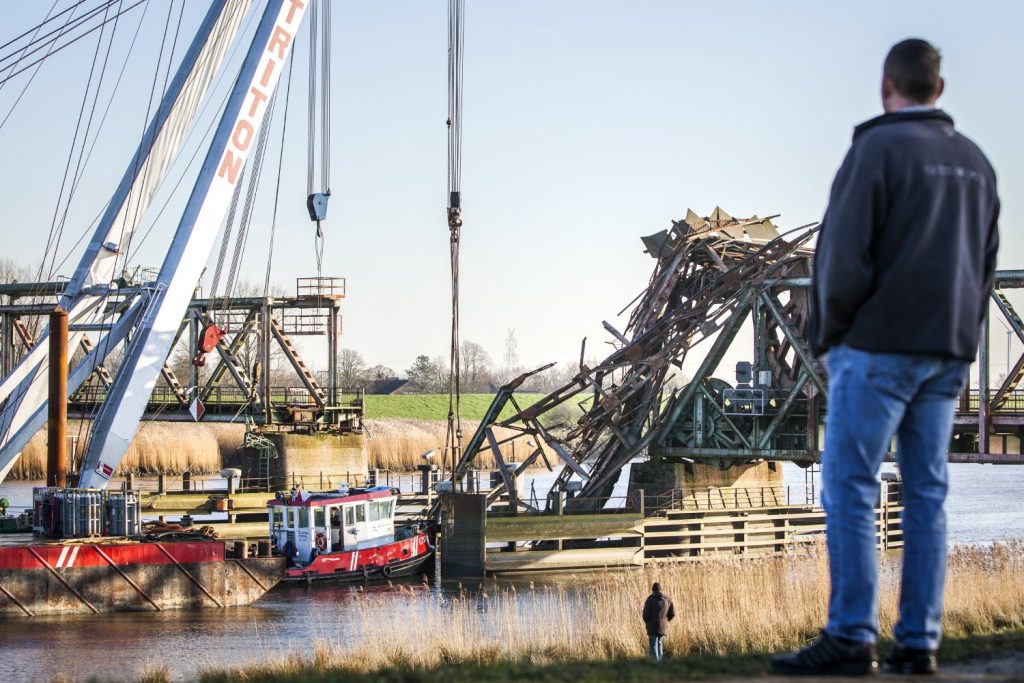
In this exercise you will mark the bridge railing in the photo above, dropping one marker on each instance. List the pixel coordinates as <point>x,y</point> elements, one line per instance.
<point>1013,401</point>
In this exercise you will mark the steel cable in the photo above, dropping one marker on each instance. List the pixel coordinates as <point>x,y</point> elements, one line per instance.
<point>456,37</point>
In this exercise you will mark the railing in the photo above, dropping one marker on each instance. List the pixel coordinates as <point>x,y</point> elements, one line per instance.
<point>729,497</point>
<point>225,394</point>
<point>300,322</point>
<point>330,287</point>
<point>186,483</point>
<point>1013,401</point>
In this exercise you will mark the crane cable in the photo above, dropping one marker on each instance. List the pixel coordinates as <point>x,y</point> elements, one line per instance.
<point>319,84</point>
<point>456,36</point>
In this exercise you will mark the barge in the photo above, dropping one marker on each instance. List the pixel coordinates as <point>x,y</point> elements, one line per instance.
<point>90,554</point>
<point>114,575</point>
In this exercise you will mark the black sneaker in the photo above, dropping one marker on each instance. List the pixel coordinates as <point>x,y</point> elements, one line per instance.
<point>828,656</point>
<point>909,660</point>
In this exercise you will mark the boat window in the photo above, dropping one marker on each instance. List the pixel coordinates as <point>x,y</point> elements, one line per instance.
<point>277,513</point>
<point>319,517</point>
<point>294,521</point>
<point>385,510</point>
<point>350,516</point>
<point>374,511</point>
<point>303,518</point>
<point>360,513</point>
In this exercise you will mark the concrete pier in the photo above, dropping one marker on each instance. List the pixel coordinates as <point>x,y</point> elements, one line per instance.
<point>740,486</point>
<point>311,460</point>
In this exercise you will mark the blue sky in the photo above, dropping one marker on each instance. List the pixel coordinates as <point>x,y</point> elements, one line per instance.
<point>586,125</point>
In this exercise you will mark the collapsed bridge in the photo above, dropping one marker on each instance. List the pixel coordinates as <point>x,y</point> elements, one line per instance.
<point>712,274</point>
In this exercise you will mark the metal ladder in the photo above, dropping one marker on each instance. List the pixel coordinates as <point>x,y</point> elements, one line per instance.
<point>307,378</point>
<point>264,447</point>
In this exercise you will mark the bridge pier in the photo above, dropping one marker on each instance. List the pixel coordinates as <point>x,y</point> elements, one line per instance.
<point>309,461</point>
<point>745,485</point>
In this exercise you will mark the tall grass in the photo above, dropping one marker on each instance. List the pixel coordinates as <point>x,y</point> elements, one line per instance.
<point>166,447</point>
<point>397,444</point>
<point>173,448</point>
<point>723,607</point>
<point>435,406</point>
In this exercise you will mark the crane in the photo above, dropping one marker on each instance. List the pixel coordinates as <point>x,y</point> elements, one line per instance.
<point>149,326</point>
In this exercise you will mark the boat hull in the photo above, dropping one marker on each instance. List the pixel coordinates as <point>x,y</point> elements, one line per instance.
<point>89,578</point>
<point>389,561</point>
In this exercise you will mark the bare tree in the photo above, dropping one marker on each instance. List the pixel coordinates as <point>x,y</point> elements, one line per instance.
<point>378,373</point>
<point>351,369</point>
<point>476,367</point>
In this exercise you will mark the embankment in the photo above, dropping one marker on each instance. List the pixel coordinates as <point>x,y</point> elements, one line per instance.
<point>727,610</point>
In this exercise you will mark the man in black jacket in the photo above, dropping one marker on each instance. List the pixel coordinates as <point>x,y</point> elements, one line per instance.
<point>902,275</point>
<point>658,611</point>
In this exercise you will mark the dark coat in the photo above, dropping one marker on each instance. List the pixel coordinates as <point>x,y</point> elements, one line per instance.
<point>907,249</point>
<point>658,611</point>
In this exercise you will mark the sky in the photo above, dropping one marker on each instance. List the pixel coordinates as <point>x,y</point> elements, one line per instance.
<point>586,125</point>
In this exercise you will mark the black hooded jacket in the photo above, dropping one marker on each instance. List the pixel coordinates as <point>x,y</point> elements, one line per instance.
<point>907,249</point>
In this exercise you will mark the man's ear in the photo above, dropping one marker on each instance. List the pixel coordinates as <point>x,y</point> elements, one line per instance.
<point>942,86</point>
<point>888,87</point>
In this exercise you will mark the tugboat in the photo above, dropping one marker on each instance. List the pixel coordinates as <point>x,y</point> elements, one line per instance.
<point>348,535</point>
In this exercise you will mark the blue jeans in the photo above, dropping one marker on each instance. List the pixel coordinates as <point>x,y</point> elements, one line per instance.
<point>655,647</point>
<point>872,397</point>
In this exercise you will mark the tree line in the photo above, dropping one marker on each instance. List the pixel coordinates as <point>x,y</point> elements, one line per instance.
<point>479,373</point>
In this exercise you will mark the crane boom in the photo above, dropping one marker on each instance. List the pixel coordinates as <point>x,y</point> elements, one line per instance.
<point>25,387</point>
<point>118,418</point>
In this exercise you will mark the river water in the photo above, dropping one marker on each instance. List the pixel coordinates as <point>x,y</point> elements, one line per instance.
<point>983,507</point>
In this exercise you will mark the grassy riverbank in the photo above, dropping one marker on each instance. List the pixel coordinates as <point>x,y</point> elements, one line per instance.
<point>959,655</point>
<point>730,614</point>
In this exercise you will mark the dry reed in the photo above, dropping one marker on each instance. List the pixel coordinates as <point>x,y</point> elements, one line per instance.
<point>173,448</point>
<point>723,606</point>
<point>397,444</point>
<point>166,447</point>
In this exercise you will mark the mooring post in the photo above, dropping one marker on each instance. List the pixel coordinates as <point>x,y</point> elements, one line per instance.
<point>57,425</point>
<point>186,481</point>
<point>161,483</point>
<point>129,481</point>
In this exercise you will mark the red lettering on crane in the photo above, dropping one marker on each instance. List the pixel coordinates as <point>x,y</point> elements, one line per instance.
<point>257,97</point>
<point>241,138</point>
<point>229,167</point>
<point>268,71</point>
<point>281,39</point>
<point>295,5</point>
<point>244,130</point>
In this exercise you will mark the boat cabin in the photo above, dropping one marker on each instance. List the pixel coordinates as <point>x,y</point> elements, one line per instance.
<point>304,525</point>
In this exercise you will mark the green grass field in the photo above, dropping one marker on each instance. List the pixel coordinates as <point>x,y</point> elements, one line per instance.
<point>435,406</point>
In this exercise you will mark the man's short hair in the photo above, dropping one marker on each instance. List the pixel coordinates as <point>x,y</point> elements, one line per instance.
<point>913,66</point>
<point>656,588</point>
